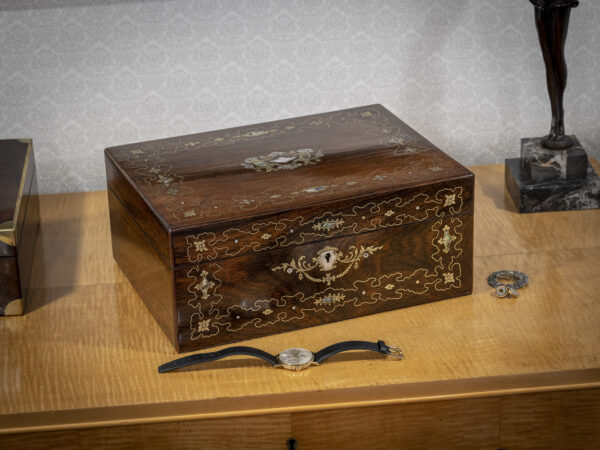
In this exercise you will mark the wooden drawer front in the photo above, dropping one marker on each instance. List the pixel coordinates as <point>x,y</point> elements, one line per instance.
<point>297,287</point>
<point>325,222</point>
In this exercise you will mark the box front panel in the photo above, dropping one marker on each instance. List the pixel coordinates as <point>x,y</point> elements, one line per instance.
<point>296,287</point>
<point>325,222</point>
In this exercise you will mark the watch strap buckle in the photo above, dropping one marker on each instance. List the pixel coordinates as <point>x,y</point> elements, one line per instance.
<point>395,352</point>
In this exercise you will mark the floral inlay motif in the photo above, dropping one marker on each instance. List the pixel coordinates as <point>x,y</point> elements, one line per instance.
<point>165,180</point>
<point>390,133</point>
<point>443,275</point>
<point>283,160</point>
<point>200,246</point>
<point>205,285</point>
<point>448,277</point>
<point>298,230</point>
<point>450,200</point>
<point>329,299</point>
<point>328,224</point>
<point>446,239</point>
<point>203,325</point>
<point>326,260</point>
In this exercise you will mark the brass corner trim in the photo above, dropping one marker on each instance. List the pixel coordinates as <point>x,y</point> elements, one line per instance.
<point>26,140</point>
<point>14,308</point>
<point>7,233</point>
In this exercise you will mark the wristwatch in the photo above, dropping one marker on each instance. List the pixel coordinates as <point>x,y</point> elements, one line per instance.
<point>291,359</point>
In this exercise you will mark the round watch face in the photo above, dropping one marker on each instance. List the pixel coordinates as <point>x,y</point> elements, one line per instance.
<point>295,357</point>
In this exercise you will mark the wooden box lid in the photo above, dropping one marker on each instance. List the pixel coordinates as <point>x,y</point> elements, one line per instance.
<point>202,181</point>
<point>15,155</point>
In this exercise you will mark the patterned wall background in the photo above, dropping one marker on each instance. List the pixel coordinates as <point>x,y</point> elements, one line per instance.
<point>80,75</point>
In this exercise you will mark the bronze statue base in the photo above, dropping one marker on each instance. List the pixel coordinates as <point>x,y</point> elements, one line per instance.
<point>557,143</point>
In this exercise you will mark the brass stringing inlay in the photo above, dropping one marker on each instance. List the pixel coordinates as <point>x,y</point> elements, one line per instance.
<point>326,260</point>
<point>358,219</point>
<point>283,160</point>
<point>203,287</point>
<point>156,178</point>
<point>446,274</point>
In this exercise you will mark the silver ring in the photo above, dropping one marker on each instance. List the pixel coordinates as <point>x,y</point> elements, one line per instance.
<point>507,289</point>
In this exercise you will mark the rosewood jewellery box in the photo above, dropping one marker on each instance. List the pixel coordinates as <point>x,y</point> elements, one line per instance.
<point>19,223</point>
<point>251,231</point>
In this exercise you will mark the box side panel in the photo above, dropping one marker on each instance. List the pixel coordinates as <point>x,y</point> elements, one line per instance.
<point>11,300</point>
<point>138,209</point>
<point>27,184</point>
<point>297,287</point>
<point>145,269</point>
<point>13,158</point>
<point>27,233</point>
<point>327,221</point>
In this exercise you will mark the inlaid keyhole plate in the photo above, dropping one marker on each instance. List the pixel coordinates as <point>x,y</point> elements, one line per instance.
<point>326,258</point>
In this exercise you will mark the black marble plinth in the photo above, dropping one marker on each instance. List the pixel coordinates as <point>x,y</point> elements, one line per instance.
<point>555,195</point>
<point>542,164</point>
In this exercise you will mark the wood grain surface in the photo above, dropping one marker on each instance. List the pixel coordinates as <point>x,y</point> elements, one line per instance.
<point>354,153</point>
<point>226,209</point>
<point>546,420</point>
<point>252,299</point>
<point>85,355</point>
<point>356,216</point>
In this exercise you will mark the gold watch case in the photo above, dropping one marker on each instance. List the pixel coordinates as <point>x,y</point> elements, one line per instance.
<point>296,359</point>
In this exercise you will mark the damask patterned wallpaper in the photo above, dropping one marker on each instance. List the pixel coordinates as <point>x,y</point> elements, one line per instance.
<point>80,75</point>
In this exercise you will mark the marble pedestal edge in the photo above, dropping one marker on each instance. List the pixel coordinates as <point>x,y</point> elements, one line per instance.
<point>556,195</point>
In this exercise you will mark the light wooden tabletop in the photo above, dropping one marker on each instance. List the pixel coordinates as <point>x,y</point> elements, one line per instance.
<point>74,360</point>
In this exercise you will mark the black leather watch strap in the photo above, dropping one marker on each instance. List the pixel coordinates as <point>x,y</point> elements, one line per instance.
<point>334,349</point>
<point>207,357</point>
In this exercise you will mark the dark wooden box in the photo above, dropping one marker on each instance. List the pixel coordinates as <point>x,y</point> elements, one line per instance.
<point>256,230</point>
<point>19,223</point>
